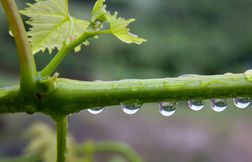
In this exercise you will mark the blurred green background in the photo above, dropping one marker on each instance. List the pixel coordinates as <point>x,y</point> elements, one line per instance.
<point>184,37</point>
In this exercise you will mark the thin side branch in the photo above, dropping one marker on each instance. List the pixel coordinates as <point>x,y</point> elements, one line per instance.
<point>61,139</point>
<point>27,62</point>
<point>70,96</point>
<point>50,68</point>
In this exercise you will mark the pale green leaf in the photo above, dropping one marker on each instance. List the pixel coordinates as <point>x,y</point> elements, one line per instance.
<point>119,27</point>
<point>99,11</point>
<point>51,25</point>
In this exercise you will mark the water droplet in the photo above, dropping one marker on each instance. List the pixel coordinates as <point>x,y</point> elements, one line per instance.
<point>242,102</point>
<point>167,108</point>
<point>196,105</point>
<point>10,33</point>
<point>130,108</point>
<point>218,105</point>
<point>96,110</point>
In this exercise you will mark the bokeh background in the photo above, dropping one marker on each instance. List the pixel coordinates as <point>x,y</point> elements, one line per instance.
<point>184,37</point>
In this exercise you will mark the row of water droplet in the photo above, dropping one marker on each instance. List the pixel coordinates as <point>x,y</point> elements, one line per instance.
<point>169,108</point>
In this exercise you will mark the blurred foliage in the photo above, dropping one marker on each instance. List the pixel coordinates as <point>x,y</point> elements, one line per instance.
<point>7,80</point>
<point>193,36</point>
<point>42,148</point>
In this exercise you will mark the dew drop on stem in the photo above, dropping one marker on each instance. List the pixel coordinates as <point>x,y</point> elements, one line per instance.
<point>219,105</point>
<point>167,108</point>
<point>130,108</point>
<point>242,102</point>
<point>96,110</point>
<point>10,33</point>
<point>196,105</point>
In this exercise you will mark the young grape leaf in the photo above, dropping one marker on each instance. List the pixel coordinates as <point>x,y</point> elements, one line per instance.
<point>99,11</point>
<point>51,25</point>
<point>119,27</point>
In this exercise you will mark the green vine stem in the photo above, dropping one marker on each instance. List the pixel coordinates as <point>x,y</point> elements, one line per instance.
<point>27,63</point>
<point>111,148</point>
<point>61,139</point>
<point>70,96</point>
